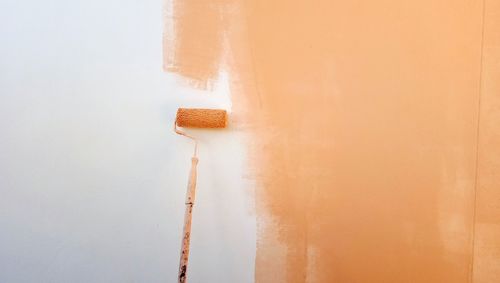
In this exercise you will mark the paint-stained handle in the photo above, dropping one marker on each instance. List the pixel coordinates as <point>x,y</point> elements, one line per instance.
<point>186,234</point>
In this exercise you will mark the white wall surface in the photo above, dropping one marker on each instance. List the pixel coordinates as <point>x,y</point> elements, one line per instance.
<point>92,177</point>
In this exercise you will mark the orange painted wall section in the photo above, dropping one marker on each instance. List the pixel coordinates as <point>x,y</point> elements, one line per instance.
<point>364,118</point>
<point>487,220</point>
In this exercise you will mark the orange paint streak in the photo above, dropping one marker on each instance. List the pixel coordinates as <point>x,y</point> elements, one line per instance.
<point>195,49</point>
<point>364,116</point>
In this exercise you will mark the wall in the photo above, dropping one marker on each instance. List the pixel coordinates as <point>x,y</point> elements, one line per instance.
<point>373,131</point>
<point>92,177</point>
<point>487,216</point>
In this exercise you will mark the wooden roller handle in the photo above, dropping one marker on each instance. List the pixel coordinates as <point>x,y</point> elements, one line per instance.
<point>190,195</point>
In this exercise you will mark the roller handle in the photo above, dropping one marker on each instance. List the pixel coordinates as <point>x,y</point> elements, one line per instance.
<point>190,195</point>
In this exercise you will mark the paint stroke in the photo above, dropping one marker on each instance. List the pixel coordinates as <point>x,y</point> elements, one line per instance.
<point>193,40</point>
<point>363,117</point>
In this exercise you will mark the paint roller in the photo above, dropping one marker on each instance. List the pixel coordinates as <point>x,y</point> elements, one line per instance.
<point>194,118</point>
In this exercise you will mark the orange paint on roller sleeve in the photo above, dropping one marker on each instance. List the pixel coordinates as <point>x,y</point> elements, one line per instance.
<point>201,118</point>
